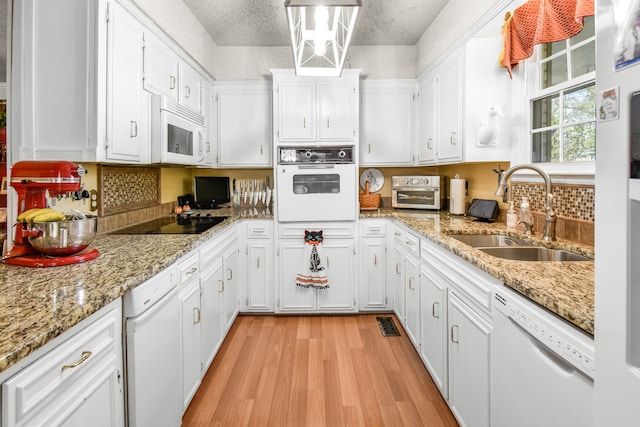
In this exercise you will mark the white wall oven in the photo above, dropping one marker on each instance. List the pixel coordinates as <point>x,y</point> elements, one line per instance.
<point>418,192</point>
<point>316,184</point>
<point>177,133</point>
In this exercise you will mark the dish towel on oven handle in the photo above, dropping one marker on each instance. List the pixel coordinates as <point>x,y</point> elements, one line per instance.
<point>312,273</point>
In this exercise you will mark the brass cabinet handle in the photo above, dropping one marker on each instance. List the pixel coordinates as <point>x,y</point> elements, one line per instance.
<point>304,122</point>
<point>411,288</point>
<point>398,268</point>
<point>196,311</point>
<point>187,92</point>
<point>375,259</point>
<point>429,143</point>
<point>85,356</point>
<point>258,262</point>
<point>221,287</point>
<point>134,129</point>
<point>452,138</point>
<point>433,310</point>
<point>327,122</point>
<point>172,82</point>
<point>369,148</point>
<point>193,270</point>
<point>229,274</point>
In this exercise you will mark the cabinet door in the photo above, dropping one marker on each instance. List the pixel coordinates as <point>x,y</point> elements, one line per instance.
<point>78,383</point>
<point>292,297</point>
<point>189,87</point>
<point>127,123</point>
<point>230,264</point>
<point>336,111</point>
<point>297,111</point>
<point>259,276</point>
<point>450,140</point>
<point>433,327</point>
<point>160,67</point>
<point>428,114</point>
<point>211,305</point>
<point>373,289</point>
<point>190,318</point>
<point>244,127</point>
<point>399,283</point>
<point>412,309</point>
<point>469,339</point>
<point>339,260</point>
<point>386,127</point>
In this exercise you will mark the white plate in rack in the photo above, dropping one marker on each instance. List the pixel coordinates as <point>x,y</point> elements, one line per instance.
<point>375,178</point>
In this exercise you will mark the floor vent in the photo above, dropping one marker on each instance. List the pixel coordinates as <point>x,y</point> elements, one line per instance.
<point>387,327</point>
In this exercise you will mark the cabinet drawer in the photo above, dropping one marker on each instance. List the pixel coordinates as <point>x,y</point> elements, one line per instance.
<point>373,230</point>
<point>329,230</point>
<point>188,267</point>
<point>44,390</point>
<point>408,241</point>
<point>258,232</point>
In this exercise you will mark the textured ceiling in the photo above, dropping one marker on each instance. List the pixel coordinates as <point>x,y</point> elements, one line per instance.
<point>264,22</point>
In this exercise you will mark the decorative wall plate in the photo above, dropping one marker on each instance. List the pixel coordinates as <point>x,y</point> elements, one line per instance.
<point>375,178</point>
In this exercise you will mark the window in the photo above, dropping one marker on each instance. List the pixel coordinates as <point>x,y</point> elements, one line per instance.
<point>563,100</point>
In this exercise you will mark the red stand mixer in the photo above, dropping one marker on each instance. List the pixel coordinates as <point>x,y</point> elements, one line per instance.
<point>33,181</point>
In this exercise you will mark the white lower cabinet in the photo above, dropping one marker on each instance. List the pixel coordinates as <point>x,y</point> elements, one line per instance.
<point>190,326</point>
<point>433,324</point>
<point>257,291</point>
<point>469,344</point>
<point>406,249</point>
<point>456,331</point>
<point>338,259</point>
<point>372,261</point>
<point>77,383</point>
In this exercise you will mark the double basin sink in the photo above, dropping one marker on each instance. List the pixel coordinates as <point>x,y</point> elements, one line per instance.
<point>513,248</point>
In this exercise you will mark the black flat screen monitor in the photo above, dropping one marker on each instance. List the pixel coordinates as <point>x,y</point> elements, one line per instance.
<point>209,192</point>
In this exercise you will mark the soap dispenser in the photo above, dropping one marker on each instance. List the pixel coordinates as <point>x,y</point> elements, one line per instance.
<point>512,216</point>
<point>526,216</point>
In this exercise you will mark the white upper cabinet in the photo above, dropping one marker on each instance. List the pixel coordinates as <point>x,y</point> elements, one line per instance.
<point>190,86</point>
<point>127,103</point>
<point>316,109</point>
<point>160,67</point>
<point>243,123</point>
<point>387,125</point>
<point>169,75</point>
<point>465,104</point>
<point>85,102</point>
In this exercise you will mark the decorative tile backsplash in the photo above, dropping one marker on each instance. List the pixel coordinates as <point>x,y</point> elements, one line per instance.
<point>573,204</point>
<point>126,188</point>
<point>570,201</point>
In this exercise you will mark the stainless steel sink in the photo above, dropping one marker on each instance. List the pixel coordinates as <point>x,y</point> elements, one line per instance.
<point>533,253</point>
<point>489,240</point>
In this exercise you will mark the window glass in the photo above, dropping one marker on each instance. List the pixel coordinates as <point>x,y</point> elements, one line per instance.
<point>583,59</point>
<point>588,31</point>
<point>563,113</point>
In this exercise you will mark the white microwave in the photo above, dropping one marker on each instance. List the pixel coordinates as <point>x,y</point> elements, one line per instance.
<point>177,133</point>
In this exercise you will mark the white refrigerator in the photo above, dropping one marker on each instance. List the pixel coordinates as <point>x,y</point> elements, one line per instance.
<point>617,212</point>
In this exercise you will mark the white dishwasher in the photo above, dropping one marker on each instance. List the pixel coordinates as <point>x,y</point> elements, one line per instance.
<point>152,321</point>
<point>542,368</point>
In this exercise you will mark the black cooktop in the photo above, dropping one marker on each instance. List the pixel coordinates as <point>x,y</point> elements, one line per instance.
<point>182,224</point>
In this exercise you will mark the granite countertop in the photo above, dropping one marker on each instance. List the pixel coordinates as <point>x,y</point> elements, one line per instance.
<point>39,304</point>
<point>565,288</point>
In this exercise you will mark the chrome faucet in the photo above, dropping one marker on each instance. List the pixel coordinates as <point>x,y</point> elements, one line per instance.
<point>549,233</point>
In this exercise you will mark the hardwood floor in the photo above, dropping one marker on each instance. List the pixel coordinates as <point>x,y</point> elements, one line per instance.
<point>316,371</point>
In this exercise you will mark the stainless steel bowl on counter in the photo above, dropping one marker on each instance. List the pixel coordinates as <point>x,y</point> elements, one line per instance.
<point>63,238</point>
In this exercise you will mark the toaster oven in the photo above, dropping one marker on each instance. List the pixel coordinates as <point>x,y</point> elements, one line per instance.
<point>418,192</point>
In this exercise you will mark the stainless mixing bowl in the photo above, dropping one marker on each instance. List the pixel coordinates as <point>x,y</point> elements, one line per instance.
<point>62,238</point>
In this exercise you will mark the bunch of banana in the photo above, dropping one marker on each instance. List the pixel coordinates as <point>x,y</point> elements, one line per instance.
<point>41,215</point>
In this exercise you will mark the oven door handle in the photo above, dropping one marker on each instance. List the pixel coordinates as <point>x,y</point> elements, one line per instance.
<point>320,166</point>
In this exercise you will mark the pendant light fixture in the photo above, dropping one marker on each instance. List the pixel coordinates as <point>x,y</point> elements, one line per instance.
<point>320,33</point>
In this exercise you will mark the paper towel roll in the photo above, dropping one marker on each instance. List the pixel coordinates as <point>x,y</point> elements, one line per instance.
<point>458,196</point>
